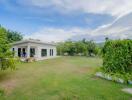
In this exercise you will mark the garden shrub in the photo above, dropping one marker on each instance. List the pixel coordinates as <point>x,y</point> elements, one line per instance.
<point>6,56</point>
<point>7,63</point>
<point>117,56</point>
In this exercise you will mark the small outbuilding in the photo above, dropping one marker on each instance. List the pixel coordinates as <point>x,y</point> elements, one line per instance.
<point>34,49</point>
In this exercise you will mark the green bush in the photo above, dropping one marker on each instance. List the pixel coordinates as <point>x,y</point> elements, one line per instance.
<point>117,56</point>
<point>7,63</point>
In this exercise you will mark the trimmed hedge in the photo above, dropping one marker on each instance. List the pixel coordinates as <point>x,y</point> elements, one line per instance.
<point>117,56</point>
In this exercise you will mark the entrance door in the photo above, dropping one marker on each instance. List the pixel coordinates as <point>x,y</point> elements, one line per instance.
<point>24,52</point>
<point>32,52</point>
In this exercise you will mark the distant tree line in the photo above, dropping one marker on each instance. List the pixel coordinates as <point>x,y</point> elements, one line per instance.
<point>81,48</point>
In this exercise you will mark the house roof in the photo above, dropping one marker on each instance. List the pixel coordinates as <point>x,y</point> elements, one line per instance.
<point>33,41</point>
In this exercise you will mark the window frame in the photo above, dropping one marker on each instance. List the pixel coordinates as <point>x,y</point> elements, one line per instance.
<point>43,52</point>
<point>51,52</point>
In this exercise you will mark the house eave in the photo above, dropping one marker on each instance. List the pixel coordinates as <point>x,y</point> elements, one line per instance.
<point>31,41</point>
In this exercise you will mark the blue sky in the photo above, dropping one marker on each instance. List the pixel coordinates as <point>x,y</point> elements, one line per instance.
<point>59,20</point>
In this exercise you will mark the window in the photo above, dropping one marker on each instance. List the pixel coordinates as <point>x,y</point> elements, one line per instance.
<point>32,52</point>
<point>23,52</point>
<point>13,49</point>
<point>43,52</point>
<point>51,52</point>
<point>19,52</point>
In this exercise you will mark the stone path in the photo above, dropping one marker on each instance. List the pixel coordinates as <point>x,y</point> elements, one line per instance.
<point>128,90</point>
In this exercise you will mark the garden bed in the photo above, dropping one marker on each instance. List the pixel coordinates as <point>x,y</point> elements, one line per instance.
<point>114,78</point>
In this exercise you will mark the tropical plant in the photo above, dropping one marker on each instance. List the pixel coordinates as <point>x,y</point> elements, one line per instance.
<point>6,58</point>
<point>117,56</point>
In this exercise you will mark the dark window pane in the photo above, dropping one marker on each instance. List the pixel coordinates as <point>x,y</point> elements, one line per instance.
<point>24,52</point>
<point>32,52</point>
<point>19,52</point>
<point>43,52</point>
<point>52,52</point>
<point>13,49</point>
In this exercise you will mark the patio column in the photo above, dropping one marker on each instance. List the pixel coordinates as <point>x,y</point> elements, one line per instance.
<point>16,51</point>
<point>28,51</point>
<point>37,52</point>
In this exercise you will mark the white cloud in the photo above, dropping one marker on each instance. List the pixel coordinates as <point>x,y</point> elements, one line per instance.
<point>113,7</point>
<point>120,26</point>
<point>49,34</point>
<point>119,29</point>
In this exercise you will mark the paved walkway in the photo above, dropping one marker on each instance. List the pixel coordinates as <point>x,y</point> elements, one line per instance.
<point>128,90</point>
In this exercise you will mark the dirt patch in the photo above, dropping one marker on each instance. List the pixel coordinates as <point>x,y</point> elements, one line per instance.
<point>93,77</point>
<point>83,70</point>
<point>8,86</point>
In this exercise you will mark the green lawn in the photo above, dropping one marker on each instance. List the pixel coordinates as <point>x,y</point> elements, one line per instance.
<point>64,78</point>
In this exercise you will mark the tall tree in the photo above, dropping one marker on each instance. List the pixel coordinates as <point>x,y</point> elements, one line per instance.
<point>6,60</point>
<point>14,36</point>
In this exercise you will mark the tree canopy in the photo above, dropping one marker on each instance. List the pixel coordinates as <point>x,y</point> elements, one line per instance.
<point>4,43</point>
<point>13,36</point>
<point>6,58</point>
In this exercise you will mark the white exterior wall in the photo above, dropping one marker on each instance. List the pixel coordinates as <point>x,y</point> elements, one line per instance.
<point>38,48</point>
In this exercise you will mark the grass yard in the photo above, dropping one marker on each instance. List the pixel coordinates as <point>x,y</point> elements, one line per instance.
<point>64,78</point>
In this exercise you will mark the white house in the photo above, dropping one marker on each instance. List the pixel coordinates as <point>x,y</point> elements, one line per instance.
<point>34,48</point>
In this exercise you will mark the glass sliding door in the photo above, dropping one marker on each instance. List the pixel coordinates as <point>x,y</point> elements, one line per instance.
<point>32,52</point>
<point>51,52</point>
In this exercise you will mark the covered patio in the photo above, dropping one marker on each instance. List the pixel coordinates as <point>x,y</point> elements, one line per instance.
<point>26,51</point>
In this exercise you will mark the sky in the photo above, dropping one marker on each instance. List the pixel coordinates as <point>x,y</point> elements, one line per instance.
<point>60,20</point>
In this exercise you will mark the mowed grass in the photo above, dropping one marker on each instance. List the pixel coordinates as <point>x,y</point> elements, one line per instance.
<point>64,78</point>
